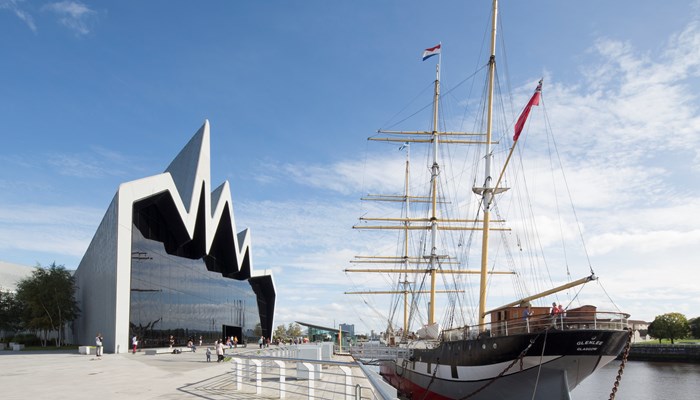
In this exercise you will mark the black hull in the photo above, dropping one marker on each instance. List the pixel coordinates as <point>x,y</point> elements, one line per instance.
<point>553,365</point>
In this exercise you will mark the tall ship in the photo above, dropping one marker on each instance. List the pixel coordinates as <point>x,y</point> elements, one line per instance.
<point>453,246</point>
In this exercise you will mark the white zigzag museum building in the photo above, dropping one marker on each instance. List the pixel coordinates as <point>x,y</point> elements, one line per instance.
<point>166,260</point>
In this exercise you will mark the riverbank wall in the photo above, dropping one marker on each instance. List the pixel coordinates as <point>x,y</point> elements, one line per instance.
<point>661,352</point>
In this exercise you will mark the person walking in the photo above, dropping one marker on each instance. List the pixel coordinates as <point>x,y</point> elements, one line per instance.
<point>219,351</point>
<point>134,344</point>
<point>98,345</point>
<point>208,354</point>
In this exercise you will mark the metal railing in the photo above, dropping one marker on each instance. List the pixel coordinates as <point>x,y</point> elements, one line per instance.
<point>365,352</point>
<point>569,320</point>
<point>273,376</point>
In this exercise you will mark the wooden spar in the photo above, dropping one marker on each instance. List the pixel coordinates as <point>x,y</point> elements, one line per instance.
<point>546,293</point>
<point>441,271</point>
<point>430,133</point>
<point>425,227</point>
<point>401,140</point>
<point>427,220</point>
<point>402,291</point>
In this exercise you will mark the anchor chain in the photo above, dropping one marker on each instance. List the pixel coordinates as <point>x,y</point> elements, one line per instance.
<point>625,354</point>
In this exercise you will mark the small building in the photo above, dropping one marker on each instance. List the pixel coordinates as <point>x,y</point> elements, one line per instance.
<point>317,333</point>
<point>640,329</point>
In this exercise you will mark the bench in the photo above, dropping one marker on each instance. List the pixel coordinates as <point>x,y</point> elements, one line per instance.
<point>86,350</point>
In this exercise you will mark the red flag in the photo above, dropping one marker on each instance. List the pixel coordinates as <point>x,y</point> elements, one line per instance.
<point>534,101</point>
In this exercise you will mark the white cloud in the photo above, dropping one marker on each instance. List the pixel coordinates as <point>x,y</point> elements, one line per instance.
<point>344,177</point>
<point>62,231</point>
<point>98,163</point>
<point>73,14</point>
<point>23,15</point>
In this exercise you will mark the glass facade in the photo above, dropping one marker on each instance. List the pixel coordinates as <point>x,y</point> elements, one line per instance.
<point>172,295</point>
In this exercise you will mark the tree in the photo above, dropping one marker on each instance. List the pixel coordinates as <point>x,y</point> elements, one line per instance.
<point>280,333</point>
<point>257,331</point>
<point>48,299</point>
<point>10,313</point>
<point>669,326</point>
<point>695,327</point>
<point>294,330</point>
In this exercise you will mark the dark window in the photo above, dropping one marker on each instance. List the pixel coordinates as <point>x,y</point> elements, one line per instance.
<point>178,296</point>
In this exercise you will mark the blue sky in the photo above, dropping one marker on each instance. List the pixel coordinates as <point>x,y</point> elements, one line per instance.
<point>93,94</point>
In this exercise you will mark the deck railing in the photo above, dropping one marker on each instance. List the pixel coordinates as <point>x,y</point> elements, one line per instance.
<point>571,320</point>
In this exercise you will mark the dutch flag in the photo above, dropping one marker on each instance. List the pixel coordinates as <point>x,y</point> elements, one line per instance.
<point>431,52</point>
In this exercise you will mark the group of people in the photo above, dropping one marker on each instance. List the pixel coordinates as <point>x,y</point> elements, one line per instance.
<point>232,342</point>
<point>219,348</point>
<point>262,342</point>
<point>557,313</point>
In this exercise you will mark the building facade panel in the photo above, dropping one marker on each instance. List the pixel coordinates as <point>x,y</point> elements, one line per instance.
<point>179,297</point>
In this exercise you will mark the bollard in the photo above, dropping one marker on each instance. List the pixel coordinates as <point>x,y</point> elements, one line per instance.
<point>283,388</point>
<point>239,372</point>
<point>306,370</point>
<point>348,381</point>
<point>258,375</point>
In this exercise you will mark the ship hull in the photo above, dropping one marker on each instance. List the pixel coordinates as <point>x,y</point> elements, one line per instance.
<point>555,363</point>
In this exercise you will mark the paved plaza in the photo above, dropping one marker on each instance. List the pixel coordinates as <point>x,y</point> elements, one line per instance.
<point>69,375</point>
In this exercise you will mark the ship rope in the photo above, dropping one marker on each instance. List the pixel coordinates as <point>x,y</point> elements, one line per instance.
<point>518,359</point>
<point>566,186</point>
<point>539,369</point>
<point>432,378</point>
<point>625,354</point>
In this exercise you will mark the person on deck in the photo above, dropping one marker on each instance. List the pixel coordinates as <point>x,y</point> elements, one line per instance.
<point>554,313</point>
<point>527,313</point>
<point>562,314</point>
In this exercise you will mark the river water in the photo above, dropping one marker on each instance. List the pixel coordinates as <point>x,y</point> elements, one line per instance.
<point>643,380</point>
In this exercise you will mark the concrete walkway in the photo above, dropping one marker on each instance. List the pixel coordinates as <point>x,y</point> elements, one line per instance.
<point>60,375</point>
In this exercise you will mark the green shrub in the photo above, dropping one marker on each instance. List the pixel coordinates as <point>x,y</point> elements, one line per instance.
<point>27,339</point>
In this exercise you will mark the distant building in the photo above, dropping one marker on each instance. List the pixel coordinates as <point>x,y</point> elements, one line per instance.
<point>317,333</point>
<point>640,329</point>
<point>350,329</point>
<point>348,333</point>
<point>166,260</point>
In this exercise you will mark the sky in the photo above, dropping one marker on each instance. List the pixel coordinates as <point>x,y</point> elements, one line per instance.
<point>93,94</point>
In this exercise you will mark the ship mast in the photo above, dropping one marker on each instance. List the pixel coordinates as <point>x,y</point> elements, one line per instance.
<point>487,192</point>
<point>434,172</point>
<point>434,222</point>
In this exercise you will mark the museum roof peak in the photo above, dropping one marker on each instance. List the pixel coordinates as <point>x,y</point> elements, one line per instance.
<point>192,165</point>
